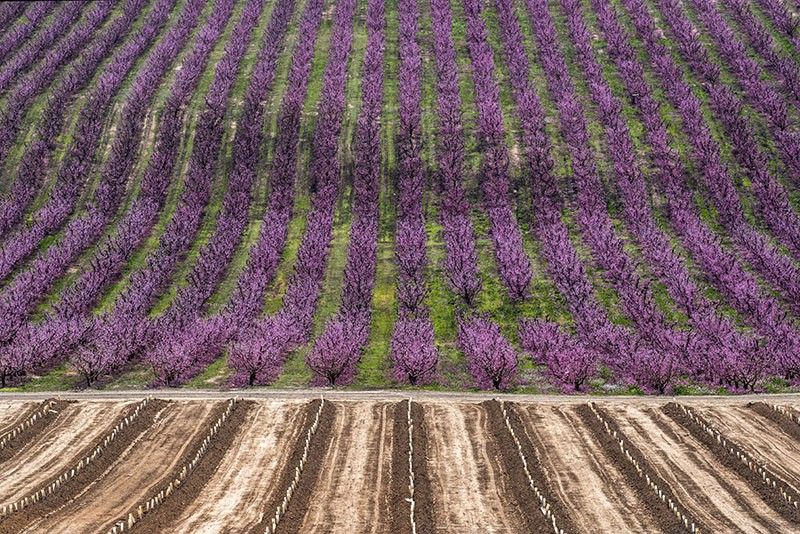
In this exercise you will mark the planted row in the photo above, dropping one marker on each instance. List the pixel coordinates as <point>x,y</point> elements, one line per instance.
<point>729,355</point>
<point>33,163</point>
<point>14,38</point>
<point>185,311</point>
<point>414,356</point>
<point>338,348</point>
<point>257,351</point>
<point>262,349</point>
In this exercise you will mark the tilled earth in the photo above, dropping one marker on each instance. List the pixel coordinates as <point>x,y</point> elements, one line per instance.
<point>377,465</point>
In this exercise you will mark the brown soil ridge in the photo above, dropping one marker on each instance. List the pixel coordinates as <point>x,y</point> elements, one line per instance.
<point>659,509</point>
<point>522,498</point>
<point>777,494</point>
<point>27,430</point>
<point>292,519</point>
<point>400,512</point>
<point>161,517</point>
<point>424,512</point>
<point>70,487</point>
<point>20,419</point>
<point>188,454</point>
<point>530,448</point>
<point>784,421</point>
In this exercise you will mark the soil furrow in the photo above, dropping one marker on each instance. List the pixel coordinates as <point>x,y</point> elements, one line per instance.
<point>13,413</point>
<point>769,494</point>
<point>783,421</point>
<point>400,512</point>
<point>695,451</point>
<point>724,504</point>
<point>292,520</point>
<point>532,448</point>
<point>469,485</point>
<point>288,471</point>
<point>75,485</point>
<point>760,437</point>
<point>48,411</point>
<point>43,461</point>
<point>521,494</point>
<point>424,513</point>
<point>248,475</point>
<point>192,487</point>
<point>354,474</point>
<point>133,475</point>
<point>658,509</point>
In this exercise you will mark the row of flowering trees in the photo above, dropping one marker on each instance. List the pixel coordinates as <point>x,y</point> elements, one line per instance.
<point>9,12</point>
<point>16,36</point>
<point>771,199</point>
<point>722,344</point>
<point>257,351</point>
<point>461,260</point>
<point>109,259</point>
<point>262,262</point>
<point>413,352</point>
<point>22,294</point>
<point>658,345</point>
<point>185,341</point>
<point>775,267</point>
<point>260,350</point>
<point>128,332</point>
<point>762,96</point>
<point>783,68</point>
<point>568,370</point>
<point>650,353</point>
<point>783,19</point>
<point>37,80</point>
<point>720,267</point>
<point>725,351</point>
<point>491,360</point>
<point>59,335</point>
<point>72,174</point>
<point>338,348</point>
<point>513,264</point>
<point>19,297</point>
<point>32,165</point>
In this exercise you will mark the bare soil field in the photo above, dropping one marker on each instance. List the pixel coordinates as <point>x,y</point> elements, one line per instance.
<point>382,465</point>
<point>45,457</point>
<point>582,473</point>
<point>245,478</point>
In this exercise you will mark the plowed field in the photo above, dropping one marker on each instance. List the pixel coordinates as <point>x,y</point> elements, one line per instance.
<point>343,466</point>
